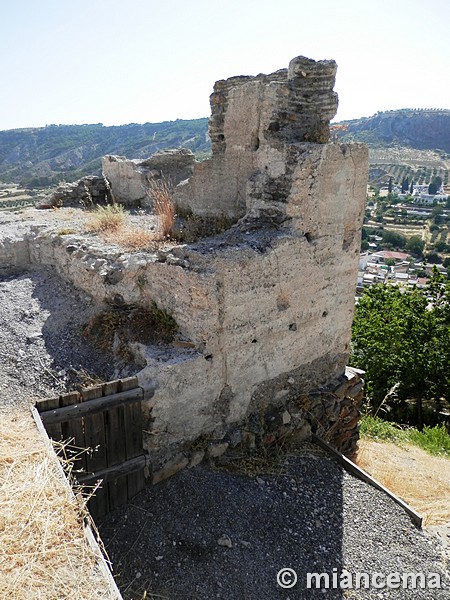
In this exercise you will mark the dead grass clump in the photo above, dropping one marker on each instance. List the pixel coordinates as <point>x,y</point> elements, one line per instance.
<point>137,238</point>
<point>44,553</point>
<point>102,327</point>
<point>421,480</point>
<point>160,192</point>
<point>107,219</point>
<point>146,325</point>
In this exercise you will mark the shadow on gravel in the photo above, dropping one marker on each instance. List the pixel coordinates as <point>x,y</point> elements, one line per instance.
<point>207,534</point>
<point>54,313</point>
<point>69,310</point>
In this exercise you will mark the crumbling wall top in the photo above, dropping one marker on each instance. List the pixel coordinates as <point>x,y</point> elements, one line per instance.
<point>302,106</point>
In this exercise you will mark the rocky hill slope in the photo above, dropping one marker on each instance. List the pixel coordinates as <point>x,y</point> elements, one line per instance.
<point>42,156</point>
<point>421,129</point>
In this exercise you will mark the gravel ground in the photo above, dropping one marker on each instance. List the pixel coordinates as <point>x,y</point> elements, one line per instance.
<point>42,349</point>
<point>206,533</point>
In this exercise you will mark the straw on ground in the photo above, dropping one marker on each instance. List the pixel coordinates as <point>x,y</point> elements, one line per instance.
<point>44,553</point>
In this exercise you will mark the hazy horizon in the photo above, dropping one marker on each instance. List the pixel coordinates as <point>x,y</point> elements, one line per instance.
<point>196,118</point>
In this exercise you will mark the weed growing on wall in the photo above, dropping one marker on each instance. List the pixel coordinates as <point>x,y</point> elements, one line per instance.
<point>160,191</point>
<point>112,330</point>
<point>107,219</point>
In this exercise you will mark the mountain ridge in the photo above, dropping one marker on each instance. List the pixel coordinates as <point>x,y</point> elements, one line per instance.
<point>424,129</point>
<point>42,156</point>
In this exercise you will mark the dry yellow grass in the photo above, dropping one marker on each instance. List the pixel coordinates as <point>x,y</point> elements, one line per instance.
<point>43,549</point>
<point>161,193</point>
<point>135,238</point>
<point>421,480</point>
<point>107,219</point>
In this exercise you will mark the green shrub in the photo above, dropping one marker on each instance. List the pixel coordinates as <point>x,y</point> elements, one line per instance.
<point>434,440</point>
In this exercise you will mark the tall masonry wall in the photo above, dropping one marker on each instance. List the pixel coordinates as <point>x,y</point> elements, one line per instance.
<point>267,306</point>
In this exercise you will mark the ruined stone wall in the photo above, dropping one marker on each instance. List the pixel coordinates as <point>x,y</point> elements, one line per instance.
<point>265,309</point>
<point>253,121</point>
<point>129,178</point>
<point>86,192</point>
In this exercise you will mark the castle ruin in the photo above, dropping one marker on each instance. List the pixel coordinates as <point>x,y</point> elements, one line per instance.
<point>266,307</point>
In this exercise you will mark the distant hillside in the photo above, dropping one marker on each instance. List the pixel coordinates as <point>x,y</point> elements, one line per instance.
<point>421,129</point>
<point>45,155</point>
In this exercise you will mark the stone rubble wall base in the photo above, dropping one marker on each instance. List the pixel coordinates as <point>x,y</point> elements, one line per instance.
<point>86,192</point>
<point>332,412</point>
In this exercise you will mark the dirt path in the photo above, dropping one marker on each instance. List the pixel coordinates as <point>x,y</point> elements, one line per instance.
<point>42,347</point>
<point>421,480</point>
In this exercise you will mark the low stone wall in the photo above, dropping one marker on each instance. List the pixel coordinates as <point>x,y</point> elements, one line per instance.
<point>129,178</point>
<point>86,192</point>
<point>331,412</point>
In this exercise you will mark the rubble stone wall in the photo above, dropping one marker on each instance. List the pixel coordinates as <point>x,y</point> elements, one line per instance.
<point>265,309</point>
<point>129,178</point>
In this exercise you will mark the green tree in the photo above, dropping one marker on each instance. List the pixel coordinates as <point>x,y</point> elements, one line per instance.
<point>436,214</point>
<point>415,245</point>
<point>396,240</point>
<point>405,185</point>
<point>441,246</point>
<point>402,340</point>
<point>435,184</point>
<point>411,187</point>
<point>390,185</point>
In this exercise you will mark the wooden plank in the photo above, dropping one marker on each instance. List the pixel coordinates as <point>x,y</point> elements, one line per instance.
<point>94,391</point>
<point>111,387</point>
<point>54,430</point>
<point>133,440</point>
<point>103,566</point>
<point>115,448</point>
<point>45,404</point>
<point>134,446</point>
<point>91,540</point>
<point>358,472</point>
<point>95,405</point>
<point>94,437</point>
<point>74,430</point>
<point>110,473</point>
<point>128,383</point>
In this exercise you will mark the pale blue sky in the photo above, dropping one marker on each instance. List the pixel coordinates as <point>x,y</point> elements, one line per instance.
<point>123,61</point>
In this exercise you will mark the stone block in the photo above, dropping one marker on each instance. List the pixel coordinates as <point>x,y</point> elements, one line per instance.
<point>171,467</point>
<point>196,458</point>
<point>217,449</point>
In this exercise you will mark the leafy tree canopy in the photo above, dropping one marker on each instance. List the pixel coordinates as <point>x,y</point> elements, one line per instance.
<point>415,245</point>
<point>396,240</point>
<point>402,340</point>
